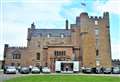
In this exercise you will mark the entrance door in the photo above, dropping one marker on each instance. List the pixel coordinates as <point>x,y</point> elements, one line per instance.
<point>66,67</point>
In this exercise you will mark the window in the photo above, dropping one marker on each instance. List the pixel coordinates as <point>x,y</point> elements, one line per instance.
<point>97,43</point>
<point>96,22</point>
<point>97,37</point>
<point>38,56</point>
<point>59,53</point>
<point>48,35</point>
<point>97,52</point>
<point>16,56</point>
<point>96,31</point>
<point>62,35</point>
<point>97,62</point>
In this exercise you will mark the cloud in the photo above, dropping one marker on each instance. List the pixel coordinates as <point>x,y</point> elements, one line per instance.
<point>115,50</point>
<point>112,6</point>
<point>17,15</point>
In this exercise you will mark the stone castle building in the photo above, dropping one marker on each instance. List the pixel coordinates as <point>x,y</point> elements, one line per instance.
<point>86,41</point>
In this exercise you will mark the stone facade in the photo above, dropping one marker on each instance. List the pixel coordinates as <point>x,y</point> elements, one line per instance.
<point>87,41</point>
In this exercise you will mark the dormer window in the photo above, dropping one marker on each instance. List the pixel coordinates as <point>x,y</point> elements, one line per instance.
<point>62,35</point>
<point>48,35</point>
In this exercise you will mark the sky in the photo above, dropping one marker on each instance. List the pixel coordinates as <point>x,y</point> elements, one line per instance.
<point>16,17</point>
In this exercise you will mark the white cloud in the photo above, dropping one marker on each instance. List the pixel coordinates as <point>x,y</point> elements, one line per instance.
<point>115,50</point>
<point>112,6</point>
<point>73,12</point>
<point>17,15</point>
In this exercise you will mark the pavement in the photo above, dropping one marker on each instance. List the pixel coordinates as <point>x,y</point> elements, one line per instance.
<point>9,76</point>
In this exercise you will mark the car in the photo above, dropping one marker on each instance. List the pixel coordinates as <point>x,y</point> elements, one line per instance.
<point>97,70</point>
<point>107,70</point>
<point>35,70</point>
<point>4,69</point>
<point>11,70</point>
<point>24,70</point>
<point>45,70</point>
<point>87,70</point>
<point>116,70</point>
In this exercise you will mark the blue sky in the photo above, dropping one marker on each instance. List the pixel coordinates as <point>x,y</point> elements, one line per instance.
<point>17,15</point>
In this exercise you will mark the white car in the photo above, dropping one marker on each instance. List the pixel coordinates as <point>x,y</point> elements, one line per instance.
<point>116,70</point>
<point>45,70</point>
<point>35,70</point>
<point>11,69</point>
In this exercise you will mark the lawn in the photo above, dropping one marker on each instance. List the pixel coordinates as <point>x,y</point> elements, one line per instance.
<point>64,78</point>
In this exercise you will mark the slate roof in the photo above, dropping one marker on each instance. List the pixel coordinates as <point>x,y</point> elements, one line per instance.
<point>52,32</point>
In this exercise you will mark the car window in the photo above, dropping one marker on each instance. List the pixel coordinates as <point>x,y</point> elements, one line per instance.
<point>11,68</point>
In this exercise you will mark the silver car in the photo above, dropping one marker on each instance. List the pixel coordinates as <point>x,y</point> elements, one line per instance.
<point>24,70</point>
<point>45,70</point>
<point>87,70</point>
<point>116,70</point>
<point>35,70</point>
<point>11,70</point>
<point>107,70</point>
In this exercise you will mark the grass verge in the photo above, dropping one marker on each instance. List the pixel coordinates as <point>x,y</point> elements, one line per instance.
<point>64,78</point>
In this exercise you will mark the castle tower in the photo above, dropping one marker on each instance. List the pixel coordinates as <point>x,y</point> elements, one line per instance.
<point>95,40</point>
<point>87,40</point>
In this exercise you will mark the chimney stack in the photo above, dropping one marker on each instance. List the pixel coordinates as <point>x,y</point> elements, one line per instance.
<point>33,25</point>
<point>66,24</point>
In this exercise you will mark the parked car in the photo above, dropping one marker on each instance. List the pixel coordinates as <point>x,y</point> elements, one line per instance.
<point>4,69</point>
<point>35,70</point>
<point>87,70</point>
<point>24,70</point>
<point>116,70</point>
<point>97,70</point>
<point>45,70</point>
<point>10,70</point>
<point>107,70</point>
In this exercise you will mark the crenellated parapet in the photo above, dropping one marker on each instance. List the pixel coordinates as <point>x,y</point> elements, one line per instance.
<point>95,17</point>
<point>14,47</point>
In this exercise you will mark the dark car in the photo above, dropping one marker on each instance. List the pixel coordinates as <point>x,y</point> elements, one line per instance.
<point>87,70</point>
<point>116,70</point>
<point>35,70</point>
<point>107,70</point>
<point>97,70</point>
<point>24,70</point>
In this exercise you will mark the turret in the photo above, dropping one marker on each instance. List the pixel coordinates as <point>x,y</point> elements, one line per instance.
<point>106,17</point>
<point>84,14</point>
<point>33,26</point>
<point>5,48</point>
<point>66,24</point>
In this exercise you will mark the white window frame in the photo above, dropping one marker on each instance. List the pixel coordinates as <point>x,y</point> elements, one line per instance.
<point>48,36</point>
<point>62,35</point>
<point>96,22</point>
